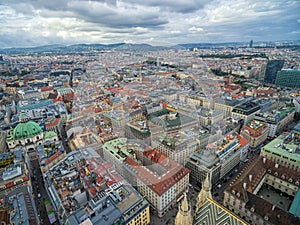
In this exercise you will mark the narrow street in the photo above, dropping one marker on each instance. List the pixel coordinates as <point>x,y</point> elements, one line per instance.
<point>39,192</point>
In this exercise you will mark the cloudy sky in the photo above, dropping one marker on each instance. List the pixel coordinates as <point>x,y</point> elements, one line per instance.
<point>25,23</point>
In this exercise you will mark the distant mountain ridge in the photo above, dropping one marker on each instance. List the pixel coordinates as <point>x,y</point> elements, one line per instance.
<point>77,48</point>
<point>60,48</point>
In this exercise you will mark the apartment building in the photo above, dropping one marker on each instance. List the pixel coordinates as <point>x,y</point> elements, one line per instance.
<point>255,132</point>
<point>162,180</point>
<point>217,159</point>
<point>83,188</point>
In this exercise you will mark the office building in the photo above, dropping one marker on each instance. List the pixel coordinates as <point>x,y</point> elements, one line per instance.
<point>284,150</point>
<point>255,132</point>
<point>288,78</point>
<point>273,66</point>
<point>251,44</point>
<point>217,159</point>
<point>115,151</point>
<point>225,106</point>
<point>246,111</point>
<point>276,119</point>
<point>177,146</point>
<point>168,121</point>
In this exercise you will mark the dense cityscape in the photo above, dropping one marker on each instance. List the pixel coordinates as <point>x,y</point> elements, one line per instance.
<point>137,134</point>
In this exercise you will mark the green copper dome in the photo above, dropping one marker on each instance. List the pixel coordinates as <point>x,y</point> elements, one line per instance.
<point>26,130</point>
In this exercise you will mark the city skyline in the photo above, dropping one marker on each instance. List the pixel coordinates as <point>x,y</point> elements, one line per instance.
<point>163,23</point>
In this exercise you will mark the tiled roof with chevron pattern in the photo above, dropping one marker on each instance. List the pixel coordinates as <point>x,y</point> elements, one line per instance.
<point>213,213</point>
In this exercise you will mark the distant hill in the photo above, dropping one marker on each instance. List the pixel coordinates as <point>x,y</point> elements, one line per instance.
<point>81,48</point>
<point>134,47</point>
<point>60,48</point>
<point>140,47</point>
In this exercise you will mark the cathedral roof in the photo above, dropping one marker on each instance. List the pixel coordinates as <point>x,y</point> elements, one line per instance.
<point>26,130</point>
<point>214,213</point>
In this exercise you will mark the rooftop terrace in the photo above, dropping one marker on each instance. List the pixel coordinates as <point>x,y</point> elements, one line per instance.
<point>255,125</point>
<point>286,145</point>
<point>118,148</point>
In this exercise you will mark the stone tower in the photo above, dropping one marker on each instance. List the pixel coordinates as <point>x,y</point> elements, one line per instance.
<point>184,216</point>
<point>204,193</point>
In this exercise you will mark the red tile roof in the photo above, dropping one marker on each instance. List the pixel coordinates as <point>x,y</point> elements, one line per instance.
<point>54,123</point>
<point>243,141</point>
<point>48,88</point>
<point>159,184</point>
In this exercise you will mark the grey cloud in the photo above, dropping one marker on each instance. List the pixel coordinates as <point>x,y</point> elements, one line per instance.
<point>181,6</point>
<point>42,22</point>
<point>108,13</point>
<point>114,17</point>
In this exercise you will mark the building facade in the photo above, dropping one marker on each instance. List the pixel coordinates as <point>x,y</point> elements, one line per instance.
<point>255,132</point>
<point>248,193</point>
<point>245,111</point>
<point>217,159</point>
<point>273,66</point>
<point>284,150</point>
<point>160,179</point>
<point>288,78</point>
<point>177,146</point>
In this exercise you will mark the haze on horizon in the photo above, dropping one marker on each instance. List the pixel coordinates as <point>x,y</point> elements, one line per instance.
<point>27,23</point>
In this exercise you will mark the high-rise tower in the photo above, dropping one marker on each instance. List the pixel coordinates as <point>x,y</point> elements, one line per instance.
<point>273,66</point>
<point>251,44</point>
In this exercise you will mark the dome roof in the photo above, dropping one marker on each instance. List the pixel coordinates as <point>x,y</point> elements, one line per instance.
<point>26,130</point>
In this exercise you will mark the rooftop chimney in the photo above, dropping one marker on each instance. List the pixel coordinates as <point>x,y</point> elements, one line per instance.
<point>273,207</point>
<point>250,177</point>
<point>264,160</point>
<point>244,185</point>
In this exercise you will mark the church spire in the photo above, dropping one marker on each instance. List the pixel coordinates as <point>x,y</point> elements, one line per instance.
<point>204,193</point>
<point>184,216</point>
